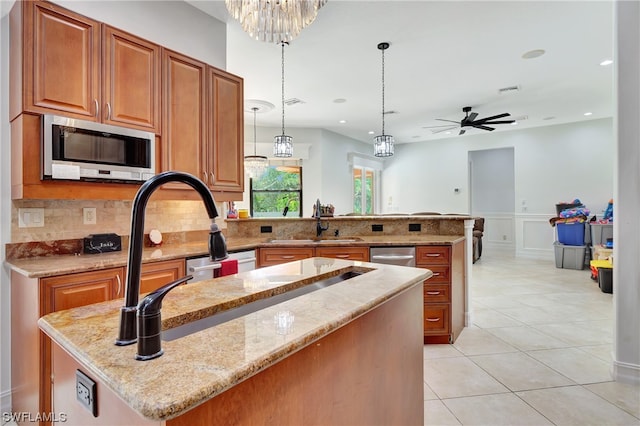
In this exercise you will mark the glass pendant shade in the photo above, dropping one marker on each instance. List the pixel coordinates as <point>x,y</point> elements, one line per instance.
<point>282,146</point>
<point>383,146</point>
<point>255,165</point>
<point>274,21</point>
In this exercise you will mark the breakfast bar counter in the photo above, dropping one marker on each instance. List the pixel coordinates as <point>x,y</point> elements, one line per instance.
<point>347,353</point>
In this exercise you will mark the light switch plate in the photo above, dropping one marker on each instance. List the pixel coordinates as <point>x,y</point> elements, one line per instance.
<point>31,218</point>
<point>89,215</point>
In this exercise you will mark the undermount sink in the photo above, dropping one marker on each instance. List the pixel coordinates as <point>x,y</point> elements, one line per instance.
<point>319,240</point>
<point>248,308</point>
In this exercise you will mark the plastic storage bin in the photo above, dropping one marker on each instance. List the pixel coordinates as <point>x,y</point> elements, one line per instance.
<point>564,206</point>
<point>569,257</point>
<point>571,234</point>
<point>605,279</point>
<point>600,232</point>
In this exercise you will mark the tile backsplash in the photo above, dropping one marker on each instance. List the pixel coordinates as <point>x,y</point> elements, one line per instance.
<point>63,219</point>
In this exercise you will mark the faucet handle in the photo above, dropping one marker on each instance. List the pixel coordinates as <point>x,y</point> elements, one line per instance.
<point>149,321</point>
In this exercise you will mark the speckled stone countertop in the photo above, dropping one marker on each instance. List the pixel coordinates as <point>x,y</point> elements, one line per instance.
<point>39,267</point>
<point>199,366</point>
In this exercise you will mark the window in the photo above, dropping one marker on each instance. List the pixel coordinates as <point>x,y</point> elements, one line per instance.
<point>279,188</point>
<point>363,190</point>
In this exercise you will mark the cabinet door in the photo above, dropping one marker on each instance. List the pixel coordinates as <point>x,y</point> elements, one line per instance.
<point>184,125</point>
<point>274,256</point>
<point>130,80</point>
<point>339,252</point>
<point>432,255</point>
<point>74,290</point>
<point>155,275</point>
<point>61,61</point>
<point>225,148</point>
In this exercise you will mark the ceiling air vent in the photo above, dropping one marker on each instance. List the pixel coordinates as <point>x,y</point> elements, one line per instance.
<point>293,101</point>
<point>510,89</point>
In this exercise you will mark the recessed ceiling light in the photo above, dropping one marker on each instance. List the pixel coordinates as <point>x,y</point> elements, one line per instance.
<point>342,121</point>
<point>588,114</point>
<point>606,62</point>
<point>339,101</point>
<point>371,132</point>
<point>533,54</point>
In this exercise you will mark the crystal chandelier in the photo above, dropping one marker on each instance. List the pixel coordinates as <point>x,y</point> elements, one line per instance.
<point>274,21</point>
<point>282,144</point>
<point>255,165</point>
<point>383,144</point>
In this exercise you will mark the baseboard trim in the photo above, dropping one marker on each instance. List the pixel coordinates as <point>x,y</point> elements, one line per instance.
<point>5,401</point>
<point>625,372</point>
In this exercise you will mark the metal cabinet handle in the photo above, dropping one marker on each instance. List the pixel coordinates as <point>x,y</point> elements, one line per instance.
<point>108,111</point>
<point>433,255</point>
<point>433,293</point>
<point>119,285</point>
<point>212,177</point>
<point>95,101</point>
<point>287,257</point>
<point>342,256</point>
<point>433,319</point>
<point>435,274</point>
<point>391,257</point>
<point>206,176</point>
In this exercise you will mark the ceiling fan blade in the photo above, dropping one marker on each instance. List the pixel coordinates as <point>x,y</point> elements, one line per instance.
<point>443,125</point>
<point>493,117</point>
<point>472,116</point>
<point>451,121</point>
<point>443,130</point>
<point>499,122</point>
<point>479,126</point>
<point>461,132</point>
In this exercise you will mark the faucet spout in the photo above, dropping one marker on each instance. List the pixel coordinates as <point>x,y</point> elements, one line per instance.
<point>217,246</point>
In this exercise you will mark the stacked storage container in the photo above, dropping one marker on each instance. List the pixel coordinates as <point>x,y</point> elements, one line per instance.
<point>570,249</point>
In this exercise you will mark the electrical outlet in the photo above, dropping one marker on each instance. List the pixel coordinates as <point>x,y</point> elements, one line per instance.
<point>86,392</point>
<point>31,218</point>
<point>89,215</point>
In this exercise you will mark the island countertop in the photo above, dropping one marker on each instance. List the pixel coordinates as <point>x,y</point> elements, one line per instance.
<point>200,366</point>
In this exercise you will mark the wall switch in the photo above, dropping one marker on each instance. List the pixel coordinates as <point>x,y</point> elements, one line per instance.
<point>89,215</point>
<point>86,392</point>
<point>30,218</point>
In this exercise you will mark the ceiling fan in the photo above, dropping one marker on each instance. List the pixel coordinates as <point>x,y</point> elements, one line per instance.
<point>469,120</point>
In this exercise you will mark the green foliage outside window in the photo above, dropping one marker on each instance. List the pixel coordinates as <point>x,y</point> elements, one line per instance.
<point>276,189</point>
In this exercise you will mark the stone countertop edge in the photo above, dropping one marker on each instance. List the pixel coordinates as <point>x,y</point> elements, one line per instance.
<point>200,366</point>
<point>46,266</point>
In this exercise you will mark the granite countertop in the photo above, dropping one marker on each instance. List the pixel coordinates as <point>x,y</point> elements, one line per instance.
<point>44,266</point>
<point>199,366</point>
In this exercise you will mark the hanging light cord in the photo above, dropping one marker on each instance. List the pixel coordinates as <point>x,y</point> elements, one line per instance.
<point>283,43</point>
<point>255,109</point>
<point>383,49</point>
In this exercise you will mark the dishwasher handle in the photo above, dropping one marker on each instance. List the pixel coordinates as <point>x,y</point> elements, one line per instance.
<point>391,257</point>
<point>208,267</point>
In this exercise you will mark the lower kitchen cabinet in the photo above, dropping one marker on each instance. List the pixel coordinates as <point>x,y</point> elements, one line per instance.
<point>276,255</point>
<point>32,298</point>
<point>444,292</point>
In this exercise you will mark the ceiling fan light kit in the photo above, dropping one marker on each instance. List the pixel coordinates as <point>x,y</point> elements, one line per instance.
<point>383,145</point>
<point>470,120</point>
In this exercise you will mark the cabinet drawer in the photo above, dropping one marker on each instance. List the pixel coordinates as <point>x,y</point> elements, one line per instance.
<point>441,274</point>
<point>275,256</point>
<point>436,293</point>
<point>349,253</point>
<point>432,255</point>
<point>436,319</point>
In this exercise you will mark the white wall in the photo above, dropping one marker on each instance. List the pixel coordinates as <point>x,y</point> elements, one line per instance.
<point>492,180</point>
<point>173,24</point>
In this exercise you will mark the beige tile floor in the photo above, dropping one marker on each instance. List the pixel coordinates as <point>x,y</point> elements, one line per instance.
<point>538,353</point>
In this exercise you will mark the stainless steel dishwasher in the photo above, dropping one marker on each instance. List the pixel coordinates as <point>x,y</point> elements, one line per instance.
<point>202,267</point>
<point>394,255</point>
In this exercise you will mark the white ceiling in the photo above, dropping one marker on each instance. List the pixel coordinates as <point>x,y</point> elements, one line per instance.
<point>444,55</point>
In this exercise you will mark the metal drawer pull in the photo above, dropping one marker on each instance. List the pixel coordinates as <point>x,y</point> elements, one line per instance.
<point>342,256</point>
<point>433,255</point>
<point>287,257</point>
<point>433,293</point>
<point>433,319</point>
<point>119,285</point>
<point>108,111</point>
<point>435,274</point>
<point>205,267</point>
<point>95,101</point>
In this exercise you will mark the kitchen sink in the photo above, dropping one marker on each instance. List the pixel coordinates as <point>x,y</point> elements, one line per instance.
<point>319,240</point>
<point>248,308</point>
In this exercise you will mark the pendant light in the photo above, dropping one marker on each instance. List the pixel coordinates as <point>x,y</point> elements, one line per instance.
<point>282,144</point>
<point>383,144</point>
<point>255,165</point>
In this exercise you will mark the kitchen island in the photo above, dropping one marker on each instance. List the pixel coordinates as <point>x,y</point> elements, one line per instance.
<point>350,353</point>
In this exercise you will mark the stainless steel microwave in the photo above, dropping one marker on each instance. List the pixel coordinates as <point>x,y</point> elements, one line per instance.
<point>84,150</point>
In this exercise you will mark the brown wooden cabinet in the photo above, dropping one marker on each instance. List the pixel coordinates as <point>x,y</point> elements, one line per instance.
<point>268,256</point>
<point>32,298</point>
<point>344,252</point>
<point>443,292</point>
<point>68,64</point>
<point>203,124</point>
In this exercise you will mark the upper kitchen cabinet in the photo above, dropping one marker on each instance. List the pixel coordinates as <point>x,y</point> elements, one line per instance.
<point>225,151</point>
<point>203,124</point>
<point>67,64</point>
